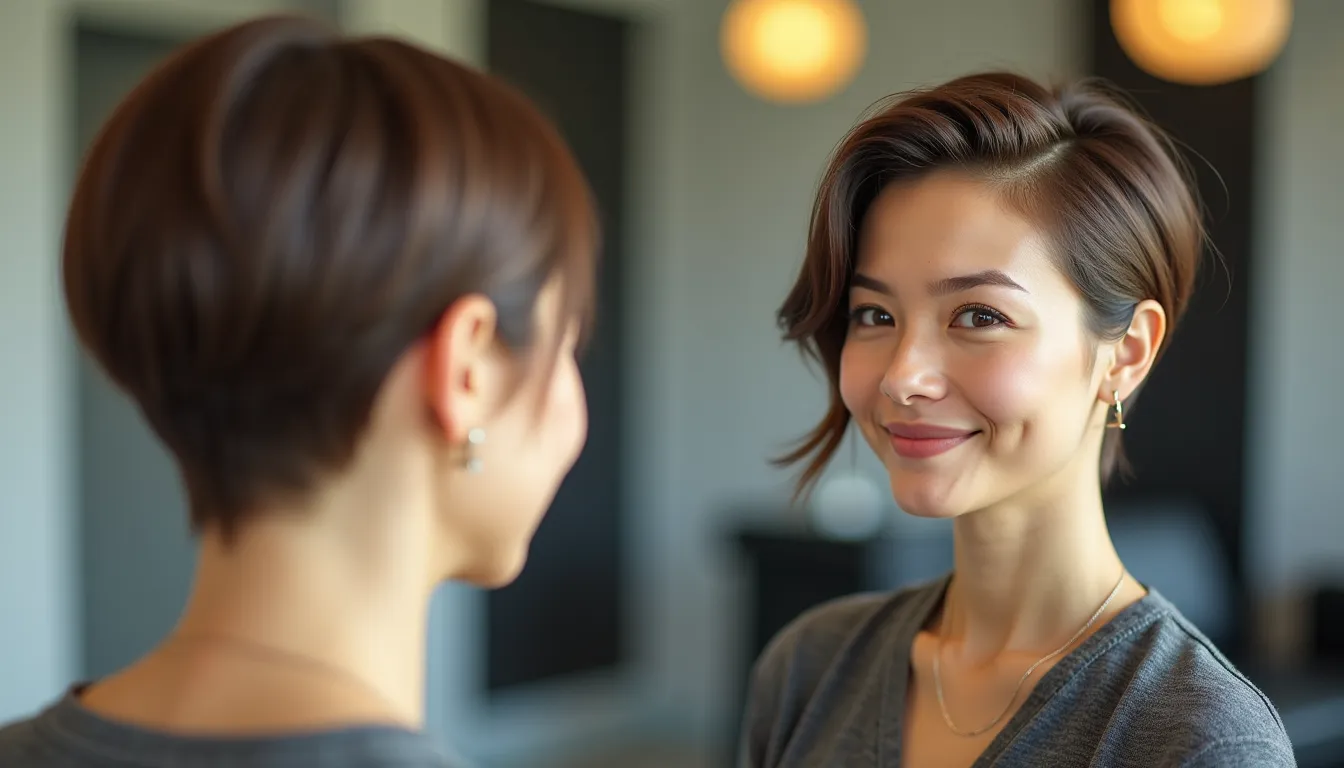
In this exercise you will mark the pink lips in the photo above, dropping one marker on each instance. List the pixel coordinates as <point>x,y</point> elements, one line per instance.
<point>923,441</point>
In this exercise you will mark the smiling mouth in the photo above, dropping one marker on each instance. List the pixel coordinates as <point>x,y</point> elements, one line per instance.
<point>914,445</point>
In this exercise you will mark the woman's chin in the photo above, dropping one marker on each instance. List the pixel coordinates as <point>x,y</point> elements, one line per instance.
<point>928,512</point>
<point>495,572</point>
<point>919,500</point>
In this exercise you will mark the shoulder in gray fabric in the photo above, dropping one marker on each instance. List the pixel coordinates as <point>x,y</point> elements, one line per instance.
<point>68,736</point>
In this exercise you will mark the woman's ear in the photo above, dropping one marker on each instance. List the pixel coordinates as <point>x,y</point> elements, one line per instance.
<point>1132,357</point>
<point>461,366</point>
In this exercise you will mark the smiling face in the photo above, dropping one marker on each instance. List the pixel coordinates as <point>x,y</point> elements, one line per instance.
<point>967,365</point>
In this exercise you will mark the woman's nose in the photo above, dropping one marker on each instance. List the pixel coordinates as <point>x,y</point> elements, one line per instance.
<point>915,372</point>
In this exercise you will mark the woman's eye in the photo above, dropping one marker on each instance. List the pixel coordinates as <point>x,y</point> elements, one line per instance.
<point>978,317</point>
<point>870,316</point>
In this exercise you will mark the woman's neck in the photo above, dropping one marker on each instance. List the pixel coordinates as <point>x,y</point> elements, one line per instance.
<point>1030,572</point>
<point>349,614</point>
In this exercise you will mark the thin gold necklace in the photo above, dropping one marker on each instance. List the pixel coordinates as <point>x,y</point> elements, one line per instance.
<point>938,677</point>
<point>267,653</point>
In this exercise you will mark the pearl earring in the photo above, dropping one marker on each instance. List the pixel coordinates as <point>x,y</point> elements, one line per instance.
<point>475,438</point>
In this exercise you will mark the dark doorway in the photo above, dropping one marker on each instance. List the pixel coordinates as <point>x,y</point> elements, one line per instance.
<point>564,615</point>
<point>137,555</point>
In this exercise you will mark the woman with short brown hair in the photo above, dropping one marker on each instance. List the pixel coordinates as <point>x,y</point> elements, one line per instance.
<point>344,280</point>
<point>993,269</point>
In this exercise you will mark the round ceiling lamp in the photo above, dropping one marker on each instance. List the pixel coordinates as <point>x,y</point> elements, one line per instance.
<point>1202,42</point>
<point>793,51</point>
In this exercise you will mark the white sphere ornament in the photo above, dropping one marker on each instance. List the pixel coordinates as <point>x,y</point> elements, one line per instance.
<point>848,506</point>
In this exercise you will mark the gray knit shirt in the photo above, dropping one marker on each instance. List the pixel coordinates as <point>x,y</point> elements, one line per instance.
<point>66,735</point>
<point>1147,689</point>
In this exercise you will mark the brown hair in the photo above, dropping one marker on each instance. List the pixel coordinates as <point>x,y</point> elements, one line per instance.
<point>1106,184</point>
<point>277,214</point>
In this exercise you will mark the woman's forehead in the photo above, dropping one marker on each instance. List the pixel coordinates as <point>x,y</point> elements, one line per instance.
<point>945,226</point>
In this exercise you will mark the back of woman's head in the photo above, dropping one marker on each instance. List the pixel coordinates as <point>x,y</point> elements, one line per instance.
<point>1103,184</point>
<point>278,213</point>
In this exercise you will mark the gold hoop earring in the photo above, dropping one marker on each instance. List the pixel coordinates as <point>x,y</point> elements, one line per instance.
<point>1117,421</point>
<point>472,462</point>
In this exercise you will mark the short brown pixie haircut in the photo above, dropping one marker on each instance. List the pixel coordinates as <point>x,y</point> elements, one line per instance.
<point>1106,186</point>
<point>278,213</point>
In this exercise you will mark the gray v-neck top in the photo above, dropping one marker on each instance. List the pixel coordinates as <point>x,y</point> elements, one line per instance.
<point>1147,689</point>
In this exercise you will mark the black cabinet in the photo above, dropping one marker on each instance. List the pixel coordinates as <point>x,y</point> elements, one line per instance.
<point>793,569</point>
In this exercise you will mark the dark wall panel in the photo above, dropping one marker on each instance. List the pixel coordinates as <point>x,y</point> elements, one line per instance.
<point>1189,428</point>
<point>564,615</point>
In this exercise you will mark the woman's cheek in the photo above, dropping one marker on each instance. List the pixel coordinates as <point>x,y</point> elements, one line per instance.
<point>860,379</point>
<point>1008,387</point>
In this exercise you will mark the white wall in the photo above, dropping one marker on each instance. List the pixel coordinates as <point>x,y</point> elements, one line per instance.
<point>1296,486</point>
<point>36,474</point>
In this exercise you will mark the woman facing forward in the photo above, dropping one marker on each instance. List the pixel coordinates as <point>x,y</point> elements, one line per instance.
<point>992,271</point>
<point>343,279</point>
